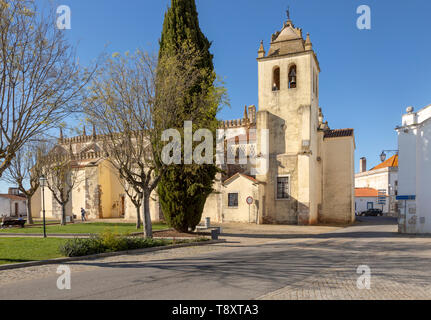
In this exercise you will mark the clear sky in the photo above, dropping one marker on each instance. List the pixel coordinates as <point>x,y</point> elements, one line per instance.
<point>368,77</point>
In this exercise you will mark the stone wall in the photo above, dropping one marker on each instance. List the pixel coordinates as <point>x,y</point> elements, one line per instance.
<point>338,181</point>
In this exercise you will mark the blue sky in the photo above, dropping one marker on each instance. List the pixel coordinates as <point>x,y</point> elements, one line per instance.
<point>368,77</point>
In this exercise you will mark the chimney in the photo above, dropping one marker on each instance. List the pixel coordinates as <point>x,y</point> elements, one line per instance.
<point>362,165</point>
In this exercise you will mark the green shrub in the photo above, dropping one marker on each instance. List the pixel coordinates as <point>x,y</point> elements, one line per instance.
<point>107,241</point>
<point>81,247</point>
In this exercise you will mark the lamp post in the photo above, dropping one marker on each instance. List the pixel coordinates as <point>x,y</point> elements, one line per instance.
<point>42,181</point>
<point>383,154</point>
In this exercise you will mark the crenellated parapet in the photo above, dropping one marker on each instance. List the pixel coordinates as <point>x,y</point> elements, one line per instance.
<point>79,139</point>
<point>249,119</point>
<point>55,158</point>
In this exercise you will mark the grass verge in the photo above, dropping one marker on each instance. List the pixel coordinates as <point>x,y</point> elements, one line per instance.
<point>16,250</point>
<point>91,227</point>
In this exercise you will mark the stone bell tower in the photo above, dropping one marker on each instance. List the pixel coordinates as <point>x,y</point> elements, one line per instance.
<point>288,75</point>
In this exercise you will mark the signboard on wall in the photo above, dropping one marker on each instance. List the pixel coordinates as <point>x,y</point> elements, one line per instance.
<point>381,197</point>
<point>406,197</point>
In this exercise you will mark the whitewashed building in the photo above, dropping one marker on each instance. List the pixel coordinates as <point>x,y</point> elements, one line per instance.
<point>13,204</point>
<point>414,195</point>
<point>368,198</point>
<point>383,177</point>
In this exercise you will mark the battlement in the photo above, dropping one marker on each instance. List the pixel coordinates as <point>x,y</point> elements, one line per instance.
<point>249,119</point>
<point>78,139</point>
<point>77,157</point>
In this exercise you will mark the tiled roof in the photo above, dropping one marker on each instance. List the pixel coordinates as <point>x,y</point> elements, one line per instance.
<point>12,197</point>
<point>336,133</point>
<point>391,162</point>
<point>366,192</point>
<point>228,180</point>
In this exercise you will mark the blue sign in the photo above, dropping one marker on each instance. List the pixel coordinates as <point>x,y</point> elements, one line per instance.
<point>406,197</point>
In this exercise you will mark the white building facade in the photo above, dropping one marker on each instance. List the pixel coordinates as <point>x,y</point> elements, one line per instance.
<point>414,196</point>
<point>368,198</point>
<point>13,204</point>
<point>384,178</point>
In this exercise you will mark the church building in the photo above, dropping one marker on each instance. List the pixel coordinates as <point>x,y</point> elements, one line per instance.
<point>311,167</point>
<point>310,176</point>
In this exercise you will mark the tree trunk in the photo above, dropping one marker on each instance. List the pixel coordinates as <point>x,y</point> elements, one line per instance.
<point>138,217</point>
<point>29,216</point>
<point>148,228</point>
<point>63,214</point>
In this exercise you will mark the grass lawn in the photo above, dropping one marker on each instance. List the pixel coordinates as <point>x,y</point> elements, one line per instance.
<point>91,227</point>
<point>14,250</point>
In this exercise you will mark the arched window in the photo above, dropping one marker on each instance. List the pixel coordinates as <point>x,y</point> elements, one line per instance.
<point>292,77</point>
<point>276,79</point>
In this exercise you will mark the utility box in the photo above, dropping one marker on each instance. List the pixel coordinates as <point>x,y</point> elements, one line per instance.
<point>207,222</point>
<point>214,234</point>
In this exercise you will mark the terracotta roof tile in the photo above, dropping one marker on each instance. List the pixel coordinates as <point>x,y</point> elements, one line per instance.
<point>240,174</point>
<point>13,197</point>
<point>391,162</point>
<point>366,192</point>
<point>336,133</point>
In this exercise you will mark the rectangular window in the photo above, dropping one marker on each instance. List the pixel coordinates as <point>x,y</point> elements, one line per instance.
<point>282,187</point>
<point>233,199</point>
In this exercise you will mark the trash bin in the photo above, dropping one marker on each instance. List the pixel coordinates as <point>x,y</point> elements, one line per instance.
<point>214,234</point>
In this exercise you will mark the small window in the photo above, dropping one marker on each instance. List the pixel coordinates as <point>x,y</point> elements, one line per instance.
<point>292,77</point>
<point>314,83</point>
<point>232,199</point>
<point>276,79</point>
<point>282,187</point>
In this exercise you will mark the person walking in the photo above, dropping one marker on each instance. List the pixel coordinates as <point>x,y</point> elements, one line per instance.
<point>83,215</point>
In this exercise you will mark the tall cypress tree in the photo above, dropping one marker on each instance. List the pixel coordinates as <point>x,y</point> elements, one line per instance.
<point>183,189</point>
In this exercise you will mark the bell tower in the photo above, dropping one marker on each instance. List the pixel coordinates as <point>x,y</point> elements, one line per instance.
<point>288,82</point>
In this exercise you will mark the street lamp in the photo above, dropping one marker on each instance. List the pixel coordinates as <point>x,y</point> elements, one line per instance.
<point>383,154</point>
<point>42,181</point>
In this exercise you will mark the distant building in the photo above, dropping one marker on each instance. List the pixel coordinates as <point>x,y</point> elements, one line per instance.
<point>13,204</point>
<point>414,196</point>
<point>367,198</point>
<point>383,177</point>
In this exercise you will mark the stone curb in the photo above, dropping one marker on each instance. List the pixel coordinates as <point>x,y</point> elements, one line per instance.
<point>106,254</point>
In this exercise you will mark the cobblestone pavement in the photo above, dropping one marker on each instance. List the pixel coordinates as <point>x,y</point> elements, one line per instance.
<point>237,236</point>
<point>272,262</point>
<point>394,274</point>
<point>398,264</point>
<point>38,272</point>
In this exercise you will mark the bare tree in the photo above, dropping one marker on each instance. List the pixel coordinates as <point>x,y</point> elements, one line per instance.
<point>26,169</point>
<point>123,104</point>
<point>62,174</point>
<point>121,107</point>
<point>40,79</point>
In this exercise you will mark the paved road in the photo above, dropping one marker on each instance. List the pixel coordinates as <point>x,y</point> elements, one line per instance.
<point>282,265</point>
